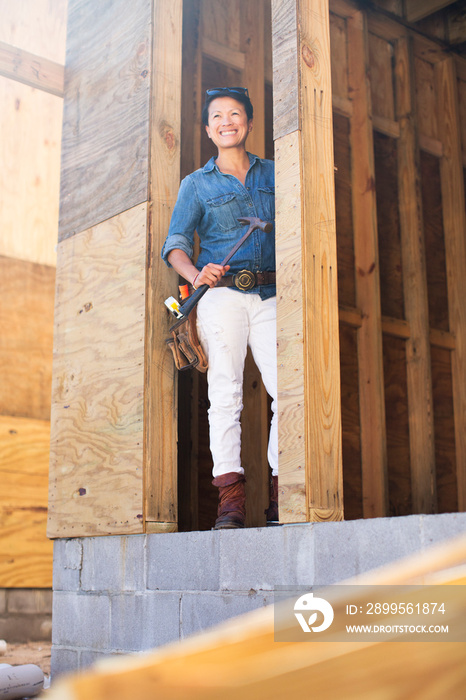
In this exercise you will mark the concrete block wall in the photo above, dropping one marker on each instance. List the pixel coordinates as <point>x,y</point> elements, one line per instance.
<point>116,595</point>
<point>25,614</point>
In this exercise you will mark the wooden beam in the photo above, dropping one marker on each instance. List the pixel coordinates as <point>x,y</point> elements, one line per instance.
<point>310,407</point>
<point>35,71</point>
<point>224,54</point>
<point>254,419</point>
<point>371,385</point>
<point>454,224</point>
<point>418,9</point>
<point>160,424</point>
<point>418,365</point>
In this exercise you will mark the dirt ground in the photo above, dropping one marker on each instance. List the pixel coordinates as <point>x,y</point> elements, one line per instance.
<point>31,653</point>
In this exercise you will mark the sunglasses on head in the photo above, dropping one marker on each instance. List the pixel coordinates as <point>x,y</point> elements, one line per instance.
<point>225,90</point>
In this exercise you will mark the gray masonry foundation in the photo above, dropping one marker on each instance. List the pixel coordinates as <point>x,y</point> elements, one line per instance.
<point>116,595</point>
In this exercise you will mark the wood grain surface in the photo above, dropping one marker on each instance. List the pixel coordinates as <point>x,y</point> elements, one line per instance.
<point>105,152</point>
<point>25,551</point>
<point>96,461</point>
<point>30,119</point>
<point>371,388</point>
<point>26,339</point>
<point>31,70</point>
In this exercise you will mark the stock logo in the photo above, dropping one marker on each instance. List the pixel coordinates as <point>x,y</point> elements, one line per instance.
<point>311,606</point>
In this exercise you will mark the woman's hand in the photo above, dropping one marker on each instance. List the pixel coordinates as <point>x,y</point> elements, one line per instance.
<point>210,274</point>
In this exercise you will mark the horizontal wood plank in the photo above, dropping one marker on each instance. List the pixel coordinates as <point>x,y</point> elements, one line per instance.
<point>31,70</point>
<point>96,459</point>
<point>26,340</point>
<point>223,54</point>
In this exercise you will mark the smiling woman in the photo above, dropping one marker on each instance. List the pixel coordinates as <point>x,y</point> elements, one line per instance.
<point>231,185</point>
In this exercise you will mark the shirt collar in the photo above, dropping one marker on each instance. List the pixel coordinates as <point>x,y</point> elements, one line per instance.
<point>211,164</point>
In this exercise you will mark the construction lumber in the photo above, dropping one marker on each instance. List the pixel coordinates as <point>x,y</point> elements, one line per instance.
<point>371,386</point>
<point>160,425</point>
<point>31,70</point>
<point>30,174</point>
<point>421,429</point>
<point>418,9</point>
<point>201,667</point>
<point>310,471</point>
<point>96,456</point>
<point>25,551</point>
<point>454,224</point>
<point>26,320</point>
<point>105,152</point>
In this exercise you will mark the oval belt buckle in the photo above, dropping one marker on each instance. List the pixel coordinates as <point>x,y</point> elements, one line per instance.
<point>245,279</point>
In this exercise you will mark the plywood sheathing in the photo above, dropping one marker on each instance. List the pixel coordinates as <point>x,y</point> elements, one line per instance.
<point>105,153</point>
<point>96,457</point>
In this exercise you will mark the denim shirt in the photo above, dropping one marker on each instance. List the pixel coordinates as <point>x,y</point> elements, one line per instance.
<point>211,202</point>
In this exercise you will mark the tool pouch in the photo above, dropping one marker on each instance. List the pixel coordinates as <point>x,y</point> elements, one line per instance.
<point>185,346</point>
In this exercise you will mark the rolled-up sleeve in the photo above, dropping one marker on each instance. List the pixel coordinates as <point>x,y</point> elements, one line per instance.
<point>185,218</point>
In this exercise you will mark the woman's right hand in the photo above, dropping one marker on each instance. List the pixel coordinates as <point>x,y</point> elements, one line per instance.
<point>210,274</point>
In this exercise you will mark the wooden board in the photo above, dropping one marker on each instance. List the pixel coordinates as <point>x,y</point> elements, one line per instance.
<point>381,78</point>
<point>371,389</point>
<point>413,259</point>
<point>444,423</point>
<point>32,70</point>
<point>344,213</point>
<point>37,26</point>
<point>454,224</point>
<point>426,108</point>
<point>105,156</point>
<point>201,666</point>
<point>26,319</point>
<point>96,460</point>
<point>285,68</point>
<point>160,430</point>
<point>339,56</point>
<point>29,178</point>
<point>350,424</point>
<point>25,551</point>
<point>290,341</point>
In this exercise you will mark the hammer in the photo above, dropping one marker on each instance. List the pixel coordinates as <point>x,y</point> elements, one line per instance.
<point>254,223</point>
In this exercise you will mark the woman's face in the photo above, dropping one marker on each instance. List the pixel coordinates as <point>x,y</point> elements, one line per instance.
<point>228,123</point>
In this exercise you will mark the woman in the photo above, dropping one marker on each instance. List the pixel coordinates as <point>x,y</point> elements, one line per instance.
<point>232,185</point>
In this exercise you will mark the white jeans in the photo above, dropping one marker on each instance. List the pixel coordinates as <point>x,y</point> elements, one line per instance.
<point>227,322</point>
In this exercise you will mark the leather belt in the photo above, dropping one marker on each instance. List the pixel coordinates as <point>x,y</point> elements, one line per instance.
<point>245,279</point>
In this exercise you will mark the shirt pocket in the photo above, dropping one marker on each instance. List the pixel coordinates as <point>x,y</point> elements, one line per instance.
<point>225,210</point>
<point>267,198</point>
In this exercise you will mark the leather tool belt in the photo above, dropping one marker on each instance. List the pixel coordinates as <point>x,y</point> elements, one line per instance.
<point>245,279</point>
<point>185,346</point>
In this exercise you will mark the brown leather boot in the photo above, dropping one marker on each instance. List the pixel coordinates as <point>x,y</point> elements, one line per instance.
<point>232,501</point>
<point>272,511</point>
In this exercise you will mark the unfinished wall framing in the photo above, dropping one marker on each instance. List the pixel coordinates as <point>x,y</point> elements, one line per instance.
<point>368,119</point>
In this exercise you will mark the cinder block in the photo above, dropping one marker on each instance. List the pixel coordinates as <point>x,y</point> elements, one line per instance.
<point>183,561</point>
<point>67,558</point>
<point>81,620</point>
<point>252,559</point>
<point>144,621</point>
<point>63,661</point>
<point>200,611</point>
<point>444,526</point>
<point>29,601</point>
<point>299,553</point>
<point>89,658</point>
<point>381,541</point>
<point>113,563</point>
<point>335,552</point>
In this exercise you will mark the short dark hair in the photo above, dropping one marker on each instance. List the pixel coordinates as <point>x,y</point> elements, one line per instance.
<point>241,97</point>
